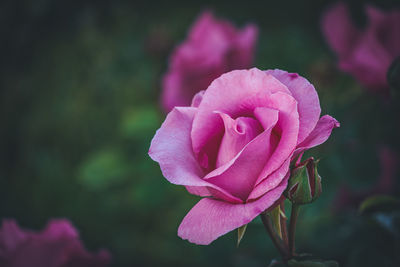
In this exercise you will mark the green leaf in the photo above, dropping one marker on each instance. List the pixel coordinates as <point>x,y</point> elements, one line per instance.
<point>379,203</point>
<point>241,231</point>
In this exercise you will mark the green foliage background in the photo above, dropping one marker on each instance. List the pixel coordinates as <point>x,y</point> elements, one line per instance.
<point>79,104</point>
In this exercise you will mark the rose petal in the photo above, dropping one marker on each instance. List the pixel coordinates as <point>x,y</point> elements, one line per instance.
<point>368,63</point>
<point>176,159</point>
<point>57,245</point>
<point>273,118</point>
<point>288,127</point>
<point>243,50</point>
<point>384,27</point>
<point>213,47</point>
<point>210,219</point>
<point>226,94</point>
<point>217,32</point>
<point>199,191</point>
<point>320,134</point>
<point>239,175</point>
<point>59,228</point>
<point>171,94</point>
<point>271,181</point>
<point>307,100</point>
<point>339,30</point>
<point>375,16</point>
<point>238,133</point>
<point>266,116</point>
<point>11,235</point>
<point>197,99</point>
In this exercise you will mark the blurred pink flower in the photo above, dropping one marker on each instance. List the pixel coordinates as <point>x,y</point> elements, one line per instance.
<point>366,54</point>
<point>347,198</point>
<point>234,145</point>
<point>58,245</point>
<point>212,48</point>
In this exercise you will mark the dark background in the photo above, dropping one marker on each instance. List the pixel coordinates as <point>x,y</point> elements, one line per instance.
<point>79,104</point>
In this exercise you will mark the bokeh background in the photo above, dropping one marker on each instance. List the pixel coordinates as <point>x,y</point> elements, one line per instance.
<point>79,105</point>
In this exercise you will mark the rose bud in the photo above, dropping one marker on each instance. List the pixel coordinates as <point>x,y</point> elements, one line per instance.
<point>304,184</point>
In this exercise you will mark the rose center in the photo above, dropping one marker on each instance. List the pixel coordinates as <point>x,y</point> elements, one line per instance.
<point>238,133</point>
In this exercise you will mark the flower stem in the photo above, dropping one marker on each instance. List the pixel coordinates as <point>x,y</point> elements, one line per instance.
<point>274,237</point>
<point>292,228</point>
<point>283,220</point>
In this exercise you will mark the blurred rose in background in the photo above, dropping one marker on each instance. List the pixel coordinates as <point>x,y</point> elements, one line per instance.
<point>58,245</point>
<point>364,53</point>
<point>213,47</point>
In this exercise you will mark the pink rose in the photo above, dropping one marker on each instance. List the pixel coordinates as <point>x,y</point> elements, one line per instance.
<point>365,54</point>
<point>233,146</point>
<point>212,48</point>
<point>58,245</point>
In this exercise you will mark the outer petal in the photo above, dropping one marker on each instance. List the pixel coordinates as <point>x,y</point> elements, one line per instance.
<point>176,159</point>
<point>226,95</point>
<point>210,219</point>
<point>307,100</point>
<point>197,99</point>
<point>199,191</point>
<point>339,30</point>
<point>320,134</point>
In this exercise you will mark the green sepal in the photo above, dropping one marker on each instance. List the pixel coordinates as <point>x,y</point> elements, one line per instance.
<point>241,232</point>
<point>275,216</point>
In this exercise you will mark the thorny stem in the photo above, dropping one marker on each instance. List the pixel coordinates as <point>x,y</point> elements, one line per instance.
<point>292,228</point>
<point>283,220</point>
<point>274,237</point>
